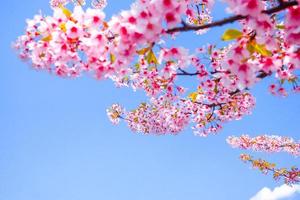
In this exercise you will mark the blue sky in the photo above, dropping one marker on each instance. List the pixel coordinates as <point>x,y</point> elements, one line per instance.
<point>56,142</point>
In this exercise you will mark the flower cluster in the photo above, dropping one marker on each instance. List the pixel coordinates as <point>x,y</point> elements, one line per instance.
<point>292,26</point>
<point>115,113</point>
<point>265,143</point>
<point>72,42</point>
<point>66,43</point>
<point>199,13</point>
<point>159,117</point>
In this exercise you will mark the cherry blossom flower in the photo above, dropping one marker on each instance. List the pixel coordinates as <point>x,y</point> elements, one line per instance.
<point>114,113</point>
<point>99,4</point>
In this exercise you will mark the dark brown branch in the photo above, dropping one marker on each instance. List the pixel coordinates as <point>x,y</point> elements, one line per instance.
<point>263,75</point>
<point>185,28</point>
<point>212,105</point>
<point>185,73</point>
<point>182,72</point>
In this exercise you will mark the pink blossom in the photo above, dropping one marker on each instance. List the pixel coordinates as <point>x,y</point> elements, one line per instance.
<point>266,143</point>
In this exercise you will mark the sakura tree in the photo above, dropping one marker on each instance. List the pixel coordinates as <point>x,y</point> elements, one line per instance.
<point>132,50</point>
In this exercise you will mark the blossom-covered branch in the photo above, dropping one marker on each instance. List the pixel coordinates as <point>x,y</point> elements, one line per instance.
<point>266,143</point>
<point>282,6</point>
<point>290,176</point>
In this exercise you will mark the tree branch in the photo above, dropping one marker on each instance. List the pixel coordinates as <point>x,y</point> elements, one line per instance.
<point>185,28</point>
<point>185,73</point>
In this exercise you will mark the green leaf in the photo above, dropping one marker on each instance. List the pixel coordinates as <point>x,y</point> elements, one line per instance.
<point>65,11</point>
<point>250,48</point>
<point>280,26</point>
<point>47,38</point>
<point>112,58</point>
<point>253,47</point>
<point>137,67</point>
<point>231,34</point>
<point>63,27</point>
<point>193,96</point>
<point>151,58</point>
<point>143,51</point>
<point>261,49</point>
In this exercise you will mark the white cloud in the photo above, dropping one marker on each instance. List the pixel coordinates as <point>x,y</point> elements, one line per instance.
<point>281,192</point>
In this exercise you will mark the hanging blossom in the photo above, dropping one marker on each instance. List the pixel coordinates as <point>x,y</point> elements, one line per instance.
<point>159,117</point>
<point>169,115</point>
<point>265,143</point>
